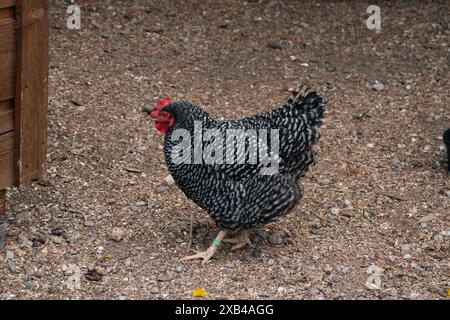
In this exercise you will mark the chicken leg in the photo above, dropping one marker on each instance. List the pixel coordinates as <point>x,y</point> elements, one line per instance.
<point>210,252</point>
<point>240,241</point>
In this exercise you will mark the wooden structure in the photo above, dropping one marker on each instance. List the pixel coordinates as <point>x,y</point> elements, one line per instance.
<point>23,92</point>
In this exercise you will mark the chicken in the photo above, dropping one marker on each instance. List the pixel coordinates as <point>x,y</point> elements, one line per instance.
<point>446,138</point>
<point>243,173</point>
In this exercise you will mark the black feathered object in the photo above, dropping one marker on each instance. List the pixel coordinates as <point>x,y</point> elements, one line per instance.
<point>237,196</point>
<point>447,144</point>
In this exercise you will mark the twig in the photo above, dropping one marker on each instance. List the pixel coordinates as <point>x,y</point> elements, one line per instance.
<point>191,231</point>
<point>133,170</point>
<point>393,197</point>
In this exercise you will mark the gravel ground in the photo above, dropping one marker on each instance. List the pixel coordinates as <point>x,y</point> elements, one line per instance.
<point>105,224</point>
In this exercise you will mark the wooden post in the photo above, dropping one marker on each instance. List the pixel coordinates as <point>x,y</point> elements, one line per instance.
<point>31,90</point>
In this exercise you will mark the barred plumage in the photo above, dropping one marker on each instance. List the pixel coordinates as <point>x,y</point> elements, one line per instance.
<point>237,196</point>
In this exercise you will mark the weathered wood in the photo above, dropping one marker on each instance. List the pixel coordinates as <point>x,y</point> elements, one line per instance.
<point>31,89</point>
<point>7,3</point>
<point>7,177</point>
<point>6,117</point>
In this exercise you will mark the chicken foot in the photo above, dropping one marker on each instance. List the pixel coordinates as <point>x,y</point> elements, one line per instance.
<point>210,252</point>
<point>240,240</point>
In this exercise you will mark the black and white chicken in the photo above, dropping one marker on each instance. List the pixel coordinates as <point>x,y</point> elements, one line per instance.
<point>229,183</point>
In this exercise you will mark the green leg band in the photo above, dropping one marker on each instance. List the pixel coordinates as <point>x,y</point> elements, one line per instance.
<point>216,242</point>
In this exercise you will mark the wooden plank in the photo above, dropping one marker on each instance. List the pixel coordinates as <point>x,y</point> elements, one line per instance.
<point>8,27</point>
<point>7,13</point>
<point>7,3</point>
<point>7,83</point>
<point>6,117</point>
<point>31,89</point>
<point>7,177</point>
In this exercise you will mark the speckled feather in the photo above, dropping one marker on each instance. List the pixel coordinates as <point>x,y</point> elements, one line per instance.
<point>237,196</point>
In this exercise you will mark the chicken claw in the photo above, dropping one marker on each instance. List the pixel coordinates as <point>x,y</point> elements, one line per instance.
<point>240,241</point>
<point>205,255</point>
<point>210,252</point>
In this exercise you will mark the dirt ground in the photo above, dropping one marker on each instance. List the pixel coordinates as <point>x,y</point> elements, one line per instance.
<point>105,224</point>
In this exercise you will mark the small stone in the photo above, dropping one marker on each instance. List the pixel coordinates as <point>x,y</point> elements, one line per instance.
<point>335,211</point>
<point>348,203</point>
<point>274,238</point>
<point>89,223</point>
<point>378,86</point>
<point>9,255</point>
<point>405,247</point>
<point>393,292</point>
<point>446,233</point>
<point>117,234</point>
<point>407,257</point>
<point>270,262</point>
<point>438,237</point>
<point>100,250</point>
<point>128,263</point>
<point>11,266</point>
<point>178,269</point>
<point>58,231</point>
<point>123,298</point>
<point>390,258</point>
<point>30,270</point>
<point>31,285</point>
<point>23,241</point>
<point>229,265</point>
<point>324,182</point>
<point>141,204</point>
<point>148,108</point>
<point>169,180</point>
<point>345,269</point>
<point>274,44</point>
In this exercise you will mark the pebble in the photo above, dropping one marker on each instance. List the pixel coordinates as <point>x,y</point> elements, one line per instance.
<point>229,265</point>
<point>393,292</point>
<point>348,203</point>
<point>31,285</point>
<point>58,231</point>
<point>23,241</point>
<point>270,262</point>
<point>378,86</point>
<point>407,257</point>
<point>335,211</point>
<point>169,180</point>
<point>345,269</point>
<point>123,298</point>
<point>446,233</point>
<point>30,270</point>
<point>391,258</point>
<point>141,204</point>
<point>11,266</point>
<point>9,255</point>
<point>438,237</point>
<point>274,44</point>
<point>89,223</point>
<point>405,247</point>
<point>100,250</point>
<point>116,234</point>
<point>128,263</point>
<point>147,108</point>
<point>274,238</point>
<point>178,269</point>
<point>317,225</point>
